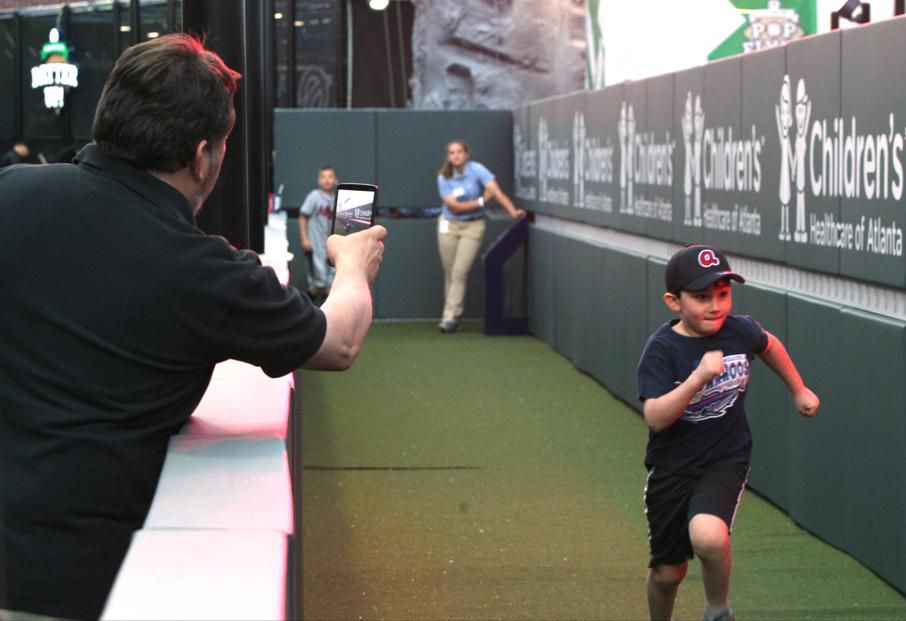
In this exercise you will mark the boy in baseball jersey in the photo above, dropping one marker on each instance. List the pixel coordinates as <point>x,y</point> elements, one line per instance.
<point>692,380</point>
<point>315,219</point>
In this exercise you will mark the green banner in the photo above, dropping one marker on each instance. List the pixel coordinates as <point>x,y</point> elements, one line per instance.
<point>769,23</point>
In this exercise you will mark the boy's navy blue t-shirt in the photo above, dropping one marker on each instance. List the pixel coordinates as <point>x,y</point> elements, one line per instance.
<point>713,430</point>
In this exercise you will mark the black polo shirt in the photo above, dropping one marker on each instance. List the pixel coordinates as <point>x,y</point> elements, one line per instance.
<point>114,309</point>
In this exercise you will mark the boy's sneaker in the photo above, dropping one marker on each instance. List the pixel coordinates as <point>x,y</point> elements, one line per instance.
<point>447,326</point>
<point>725,615</point>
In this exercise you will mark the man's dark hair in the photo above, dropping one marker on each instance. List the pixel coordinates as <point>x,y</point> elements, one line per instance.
<point>162,98</point>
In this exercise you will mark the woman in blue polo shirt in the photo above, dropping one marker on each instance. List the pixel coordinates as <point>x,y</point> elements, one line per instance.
<point>465,188</point>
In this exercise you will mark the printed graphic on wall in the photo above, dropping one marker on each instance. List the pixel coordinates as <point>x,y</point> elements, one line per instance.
<point>769,155</point>
<point>768,23</point>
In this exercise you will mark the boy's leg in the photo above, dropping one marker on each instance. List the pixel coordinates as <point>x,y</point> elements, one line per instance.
<point>662,585</point>
<point>712,509</point>
<point>666,510</point>
<point>711,542</point>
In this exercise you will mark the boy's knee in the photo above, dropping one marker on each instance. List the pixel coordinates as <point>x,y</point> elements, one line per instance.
<point>710,537</point>
<point>667,576</point>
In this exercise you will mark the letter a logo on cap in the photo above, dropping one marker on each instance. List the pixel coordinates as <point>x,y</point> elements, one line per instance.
<point>708,258</point>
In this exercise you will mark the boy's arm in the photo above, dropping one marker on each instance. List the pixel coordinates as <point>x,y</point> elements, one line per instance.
<point>778,359</point>
<point>661,412</point>
<point>303,232</point>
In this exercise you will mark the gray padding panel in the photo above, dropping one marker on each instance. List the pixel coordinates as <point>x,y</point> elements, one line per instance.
<point>871,373</point>
<point>768,402</point>
<point>542,316</point>
<point>305,140</point>
<point>411,148</point>
<point>817,446</point>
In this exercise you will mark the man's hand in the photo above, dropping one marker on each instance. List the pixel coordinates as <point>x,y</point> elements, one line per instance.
<point>362,251</point>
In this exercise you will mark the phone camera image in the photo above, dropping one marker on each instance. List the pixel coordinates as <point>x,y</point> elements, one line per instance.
<point>354,208</point>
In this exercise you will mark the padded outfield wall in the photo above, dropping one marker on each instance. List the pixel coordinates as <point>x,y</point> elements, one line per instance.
<point>618,178</point>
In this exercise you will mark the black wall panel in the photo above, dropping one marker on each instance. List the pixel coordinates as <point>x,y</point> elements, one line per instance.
<point>542,317</point>
<point>873,92</point>
<point>813,69</point>
<point>566,295</point>
<point>721,193</point>
<point>601,158</point>
<point>306,140</point>
<point>817,445</point>
<point>768,402</point>
<point>762,75</point>
<point>599,300</point>
<point>689,120</point>
<point>625,322</point>
<point>871,371</point>
<point>658,167</point>
<point>411,148</point>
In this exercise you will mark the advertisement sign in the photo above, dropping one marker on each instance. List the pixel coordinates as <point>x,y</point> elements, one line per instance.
<point>768,24</point>
<point>55,75</point>
<point>787,154</point>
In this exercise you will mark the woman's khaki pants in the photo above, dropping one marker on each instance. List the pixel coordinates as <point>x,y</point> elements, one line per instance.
<point>459,243</point>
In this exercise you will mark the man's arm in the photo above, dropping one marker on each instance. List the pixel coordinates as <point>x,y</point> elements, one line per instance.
<point>661,412</point>
<point>348,308</point>
<point>779,361</point>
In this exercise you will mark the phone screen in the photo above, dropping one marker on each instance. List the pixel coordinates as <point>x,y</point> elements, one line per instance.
<point>354,208</point>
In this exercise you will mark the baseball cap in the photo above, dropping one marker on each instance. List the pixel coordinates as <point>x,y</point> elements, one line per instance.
<point>694,268</point>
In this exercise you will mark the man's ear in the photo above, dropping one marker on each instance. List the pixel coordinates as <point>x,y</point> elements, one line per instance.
<point>198,165</point>
<point>672,301</point>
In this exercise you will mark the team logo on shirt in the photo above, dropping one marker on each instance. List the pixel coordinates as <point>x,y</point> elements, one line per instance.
<point>719,395</point>
<point>707,258</point>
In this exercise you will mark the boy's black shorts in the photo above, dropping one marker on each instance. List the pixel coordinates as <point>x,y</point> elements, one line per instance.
<point>671,500</point>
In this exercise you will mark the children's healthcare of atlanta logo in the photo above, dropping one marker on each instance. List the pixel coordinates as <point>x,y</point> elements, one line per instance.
<point>837,158</point>
<point>55,74</point>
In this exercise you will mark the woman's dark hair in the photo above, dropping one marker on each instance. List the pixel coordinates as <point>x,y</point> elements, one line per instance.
<point>447,169</point>
<point>162,98</point>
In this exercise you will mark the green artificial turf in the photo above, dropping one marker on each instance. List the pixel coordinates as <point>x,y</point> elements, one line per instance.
<point>470,477</point>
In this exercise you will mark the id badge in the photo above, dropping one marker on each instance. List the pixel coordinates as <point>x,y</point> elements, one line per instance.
<point>457,192</point>
<point>443,226</point>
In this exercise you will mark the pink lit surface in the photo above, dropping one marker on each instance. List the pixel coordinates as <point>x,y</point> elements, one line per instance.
<point>178,574</point>
<point>224,482</point>
<point>241,399</point>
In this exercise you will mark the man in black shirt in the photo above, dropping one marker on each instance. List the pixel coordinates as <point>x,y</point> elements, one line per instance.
<point>115,308</point>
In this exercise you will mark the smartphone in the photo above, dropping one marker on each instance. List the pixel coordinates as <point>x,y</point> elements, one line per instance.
<point>354,207</point>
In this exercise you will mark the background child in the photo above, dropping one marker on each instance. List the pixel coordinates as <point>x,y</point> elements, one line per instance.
<point>692,380</point>
<point>315,219</point>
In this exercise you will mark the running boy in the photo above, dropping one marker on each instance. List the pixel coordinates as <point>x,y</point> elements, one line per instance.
<point>315,219</point>
<point>692,380</point>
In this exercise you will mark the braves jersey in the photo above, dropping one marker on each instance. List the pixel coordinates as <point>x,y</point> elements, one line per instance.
<point>713,429</point>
